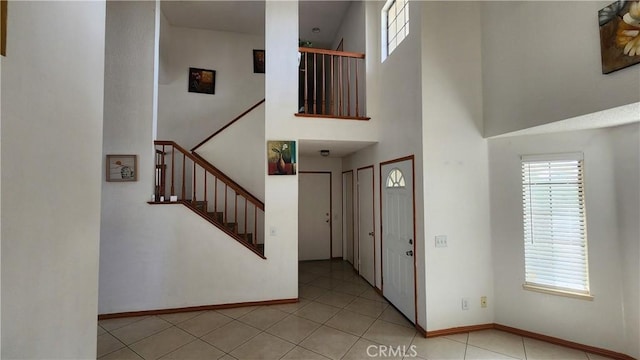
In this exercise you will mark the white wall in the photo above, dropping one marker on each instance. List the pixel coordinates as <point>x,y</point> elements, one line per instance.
<point>393,98</point>
<point>188,118</point>
<point>541,63</point>
<point>625,142</point>
<point>52,103</point>
<point>563,317</point>
<point>456,180</point>
<point>334,165</point>
<point>239,152</point>
<point>168,251</point>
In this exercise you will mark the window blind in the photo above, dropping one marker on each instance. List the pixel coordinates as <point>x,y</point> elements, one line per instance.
<point>555,235</point>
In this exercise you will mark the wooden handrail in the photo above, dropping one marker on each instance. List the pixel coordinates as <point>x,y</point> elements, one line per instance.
<point>331,52</point>
<point>219,174</point>
<point>228,124</point>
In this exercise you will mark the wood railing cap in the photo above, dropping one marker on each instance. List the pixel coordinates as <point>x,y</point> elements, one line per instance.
<point>331,52</point>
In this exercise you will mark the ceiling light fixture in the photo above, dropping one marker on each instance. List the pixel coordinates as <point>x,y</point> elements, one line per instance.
<point>315,30</point>
<point>324,152</point>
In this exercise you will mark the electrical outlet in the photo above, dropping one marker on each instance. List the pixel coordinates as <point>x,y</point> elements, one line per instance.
<point>483,301</point>
<point>441,241</point>
<point>465,303</point>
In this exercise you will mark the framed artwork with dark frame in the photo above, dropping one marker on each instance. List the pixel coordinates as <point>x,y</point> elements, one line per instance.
<point>122,168</point>
<point>619,35</point>
<point>202,81</point>
<point>281,157</point>
<point>258,61</point>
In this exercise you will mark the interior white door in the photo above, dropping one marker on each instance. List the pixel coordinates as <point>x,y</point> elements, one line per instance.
<point>347,213</point>
<point>314,216</point>
<point>366,235</point>
<point>398,243</point>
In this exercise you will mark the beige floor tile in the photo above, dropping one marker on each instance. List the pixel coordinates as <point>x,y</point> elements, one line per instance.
<point>536,349</point>
<point>499,342</point>
<point>263,317</point>
<point>476,353</point>
<point>365,349</point>
<point>306,277</point>
<point>179,317</point>
<point>108,344</point>
<point>329,342</point>
<point>237,312</point>
<point>325,282</point>
<point>458,337</point>
<point>439,348</point>
<point>350,322</point>
<point>317,312</point>
<point>291,308</point>
<point>387,333</point>
<point>300,353</point>
<point>112,324</point>
<point>162,343</point>
<point>101,330</point>
<point>231,336</point>
<point>293,328</point>
<point>367,307</point>
<point>352,289</point>
<point>140,329</point>
<point>392,315</point>
<point>204,323</point>
<point>372,294</point>
<point>310,292</point>
<point>228,357</point>
<point>122,354</point>
<point>263,346</point>
<point>195,350</point>
<point>336,299</point>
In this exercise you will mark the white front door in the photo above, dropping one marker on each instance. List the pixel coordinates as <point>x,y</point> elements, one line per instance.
<point>347,213</point>
<point>398,242</point>
<point>366,235</point>
<point>314,216</point>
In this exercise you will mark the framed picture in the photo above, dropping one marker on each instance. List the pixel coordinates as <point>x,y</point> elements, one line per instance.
<point>258,61</point>
<point>202,81</point>
<point>122,168</point>
<point>281,157</point>
<point>619,38</point>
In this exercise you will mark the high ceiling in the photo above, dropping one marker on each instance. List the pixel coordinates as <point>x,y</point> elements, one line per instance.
<point>247,17</point>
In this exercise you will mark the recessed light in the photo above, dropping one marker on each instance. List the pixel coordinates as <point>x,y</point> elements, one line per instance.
<point>324,152</point>
<point>315,30</point>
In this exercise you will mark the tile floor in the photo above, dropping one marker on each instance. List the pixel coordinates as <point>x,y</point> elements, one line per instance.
<point>339,316</point>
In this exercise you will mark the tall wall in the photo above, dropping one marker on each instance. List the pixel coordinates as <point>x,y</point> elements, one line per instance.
<point>189,118</point>
<point>395,111</point>
<point>625,142</point>
<point>541,63</point>
<point>334,165</point>
<point>52,107</point>
<point>611,186</point>
<point>456,178</point>
<point>169,251</point>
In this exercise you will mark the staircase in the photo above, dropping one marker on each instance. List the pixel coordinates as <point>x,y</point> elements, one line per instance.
<point>183,177</point>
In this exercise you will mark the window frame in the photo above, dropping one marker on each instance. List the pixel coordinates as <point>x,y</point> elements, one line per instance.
<point>384,21</point>
<point>554,160</point>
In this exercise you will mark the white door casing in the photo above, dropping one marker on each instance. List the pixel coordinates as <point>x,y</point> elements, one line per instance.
<point>398,241</point>
<point>347,215</point>
<point>366,234</point>
<point>314,216</point>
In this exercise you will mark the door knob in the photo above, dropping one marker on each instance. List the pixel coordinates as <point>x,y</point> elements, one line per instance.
<point>410,253</point>
<point>371,233</point>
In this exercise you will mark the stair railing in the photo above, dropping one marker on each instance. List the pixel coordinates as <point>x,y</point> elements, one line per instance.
<point>331,84</point>
<point>185,178</point>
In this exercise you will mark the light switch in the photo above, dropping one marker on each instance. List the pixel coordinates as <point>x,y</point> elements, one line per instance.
<point>441,240</point>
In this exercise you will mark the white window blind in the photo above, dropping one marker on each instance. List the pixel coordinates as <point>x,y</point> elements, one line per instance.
<point>555,233</point>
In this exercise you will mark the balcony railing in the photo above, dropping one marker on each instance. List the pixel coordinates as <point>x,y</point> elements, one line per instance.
<point>331,84</point>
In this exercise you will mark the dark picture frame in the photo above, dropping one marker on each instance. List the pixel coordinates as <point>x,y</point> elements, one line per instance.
<point>122,168</point>
<point>202,81</point>
<point>618,49</point>
<point>281,157</point>
<point>258,61</point>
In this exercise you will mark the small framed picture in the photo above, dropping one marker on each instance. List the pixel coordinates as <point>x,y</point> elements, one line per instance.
<point>258,61</point>
<point>122,168</point>
<point>202,81</point>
